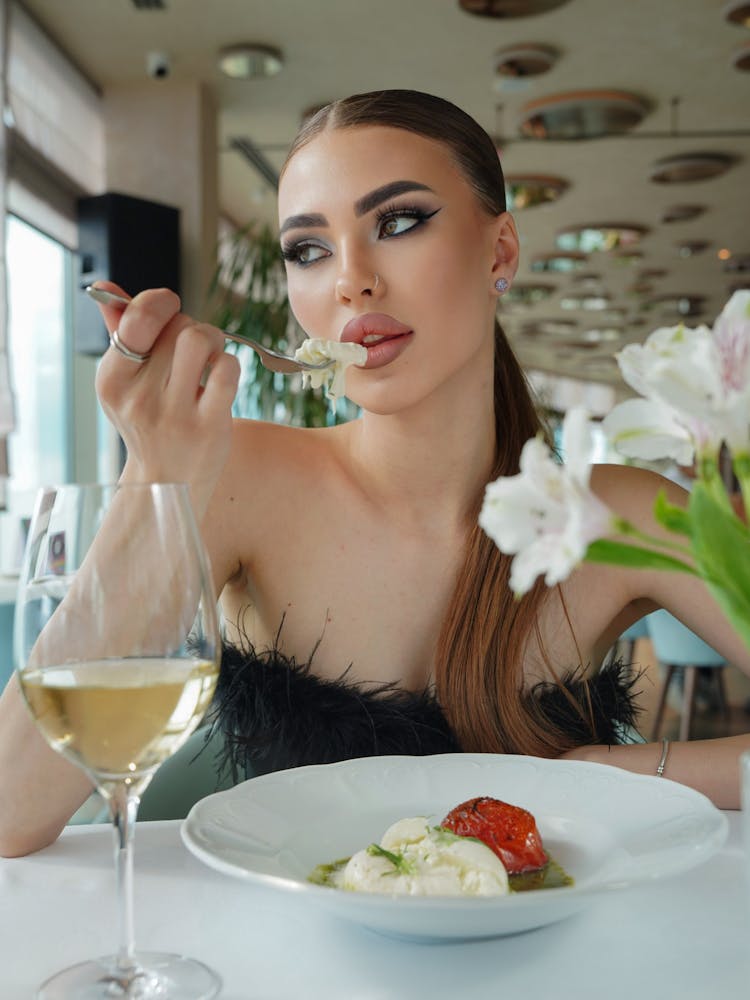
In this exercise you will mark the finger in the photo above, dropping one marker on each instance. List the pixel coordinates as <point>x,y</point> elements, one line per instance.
<point>112,312</point>
<point>220,386</point>
<point>197,347</point>
<point>141,323</point>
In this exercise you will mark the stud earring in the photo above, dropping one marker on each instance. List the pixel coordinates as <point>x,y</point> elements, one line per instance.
<point>502,285</point>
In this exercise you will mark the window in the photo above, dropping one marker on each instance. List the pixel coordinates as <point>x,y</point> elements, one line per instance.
<point>40,352</point>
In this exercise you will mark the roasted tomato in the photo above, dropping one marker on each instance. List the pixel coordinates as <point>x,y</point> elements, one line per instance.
<point>507,830</point>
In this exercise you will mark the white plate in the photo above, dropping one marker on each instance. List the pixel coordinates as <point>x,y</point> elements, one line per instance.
<point>609,829</point>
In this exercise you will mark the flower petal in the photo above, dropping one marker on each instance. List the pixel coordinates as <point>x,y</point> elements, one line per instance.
<point>648,429</point>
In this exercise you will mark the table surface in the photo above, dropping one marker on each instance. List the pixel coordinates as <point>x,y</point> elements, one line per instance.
<point>684,937</point>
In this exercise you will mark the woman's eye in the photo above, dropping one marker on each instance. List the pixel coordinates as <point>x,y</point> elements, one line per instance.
<point>395,225</point>
<point>398,221</point>
<point>304,253</point>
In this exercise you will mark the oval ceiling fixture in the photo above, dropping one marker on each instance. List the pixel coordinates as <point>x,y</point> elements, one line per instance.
<point>738,13</point>
<point>628,255</point>
<point>738,264</point>
<point>527,293</point>
<point>550,328</point>
<point>561,262</point>
<point>529,190</point>
<point>741,59</point>
<point>603,335</point>
<point>250,61</point>
<point>524,60</point>
<point>687,167</point>
<point>682,213</point>
<point>509,8</point>
<point>600,236</point>
<point>582,114</point>
<point>682,306</point>
<point>690,248</point>
<point>588,303</point>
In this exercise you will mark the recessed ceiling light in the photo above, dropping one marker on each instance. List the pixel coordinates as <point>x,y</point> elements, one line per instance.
<point>738,13</point>
<point>582,114</point>
<point>686,167</point>
<point>600,236</point>
<point>724,254</point>
<point>508,8</point>
<point>528,190</point>
<point>524,60</point>
<point>682,213</point>
<point>558,261</point>
<point>250,61</point>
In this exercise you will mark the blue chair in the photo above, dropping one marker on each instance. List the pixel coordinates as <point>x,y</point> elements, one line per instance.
<point>625,646</point>
<point>677,648</point>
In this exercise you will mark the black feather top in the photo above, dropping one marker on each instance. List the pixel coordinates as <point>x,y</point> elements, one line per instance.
<point>275,713</point>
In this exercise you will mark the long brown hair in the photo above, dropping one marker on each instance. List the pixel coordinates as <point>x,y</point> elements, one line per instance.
<point>478,660</point>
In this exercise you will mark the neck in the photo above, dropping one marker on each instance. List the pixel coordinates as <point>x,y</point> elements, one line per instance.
<point>429,464</point>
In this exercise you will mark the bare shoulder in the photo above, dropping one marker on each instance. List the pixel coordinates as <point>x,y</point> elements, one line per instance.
<point>270,473</point>
<point>631,491</point>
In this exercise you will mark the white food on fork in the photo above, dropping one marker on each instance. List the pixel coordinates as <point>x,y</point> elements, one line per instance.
<point>317,352</point>
<point>415,859</point>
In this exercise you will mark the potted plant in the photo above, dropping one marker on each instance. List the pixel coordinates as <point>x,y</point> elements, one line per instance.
<point>248,295</point>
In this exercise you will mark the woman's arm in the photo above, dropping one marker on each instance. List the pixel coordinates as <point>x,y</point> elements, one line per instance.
<point>709,766</point>
<point>174,414</point>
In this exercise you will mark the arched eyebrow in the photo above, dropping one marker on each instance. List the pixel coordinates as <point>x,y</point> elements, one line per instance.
<point>361,206</point>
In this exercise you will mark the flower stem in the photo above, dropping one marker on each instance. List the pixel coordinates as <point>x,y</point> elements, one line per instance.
<point>626,528</point>
<point>741,467</point>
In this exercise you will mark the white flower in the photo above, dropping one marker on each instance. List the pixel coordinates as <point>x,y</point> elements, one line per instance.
<point>698,382</point>
<point>546,515</point>
<point>648,429</point>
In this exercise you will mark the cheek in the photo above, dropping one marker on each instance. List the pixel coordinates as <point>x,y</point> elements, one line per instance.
<point>306,306</point>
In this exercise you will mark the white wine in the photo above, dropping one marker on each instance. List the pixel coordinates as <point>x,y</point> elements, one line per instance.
<point>119,718</point>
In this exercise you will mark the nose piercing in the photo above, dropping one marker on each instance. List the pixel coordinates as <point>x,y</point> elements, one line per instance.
<point>376,282</point>
<point>502,285</point>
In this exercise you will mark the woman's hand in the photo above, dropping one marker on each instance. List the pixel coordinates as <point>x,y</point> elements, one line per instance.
<point>173,411</point>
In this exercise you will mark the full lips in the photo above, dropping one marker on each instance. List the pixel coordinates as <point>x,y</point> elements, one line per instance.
<point>396,337</point>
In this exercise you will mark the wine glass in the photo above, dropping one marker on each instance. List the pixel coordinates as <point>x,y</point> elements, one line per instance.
<point>117,650</point>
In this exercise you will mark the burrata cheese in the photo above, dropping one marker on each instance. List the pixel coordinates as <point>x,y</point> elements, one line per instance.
<point>416,859</point>
<point>317,352</point>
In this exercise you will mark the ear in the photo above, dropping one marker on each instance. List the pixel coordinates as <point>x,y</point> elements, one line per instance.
<point>506,250</point>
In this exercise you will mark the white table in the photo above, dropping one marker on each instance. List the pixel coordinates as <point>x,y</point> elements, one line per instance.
<point>686,938</point>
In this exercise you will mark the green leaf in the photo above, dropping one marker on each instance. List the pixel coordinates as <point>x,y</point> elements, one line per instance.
<point>673,518</point>
<point>604,550</point>
<point>721,542</point>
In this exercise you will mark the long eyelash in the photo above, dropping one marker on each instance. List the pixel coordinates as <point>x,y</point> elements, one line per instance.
<point>411,211</point>
<point>291,251</point>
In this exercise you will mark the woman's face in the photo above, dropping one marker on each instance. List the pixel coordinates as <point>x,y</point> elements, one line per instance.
<point>379,226</point>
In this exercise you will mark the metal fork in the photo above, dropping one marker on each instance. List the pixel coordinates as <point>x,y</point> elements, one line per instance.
<point>272,360</point>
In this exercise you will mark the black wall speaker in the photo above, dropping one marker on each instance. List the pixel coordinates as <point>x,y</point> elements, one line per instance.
<point>133,242</point>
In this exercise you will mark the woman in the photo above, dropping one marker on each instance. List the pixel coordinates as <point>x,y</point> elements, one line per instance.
<point>359,543</point>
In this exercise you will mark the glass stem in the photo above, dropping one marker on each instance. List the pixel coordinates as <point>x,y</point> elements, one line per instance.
<point>123,808</point>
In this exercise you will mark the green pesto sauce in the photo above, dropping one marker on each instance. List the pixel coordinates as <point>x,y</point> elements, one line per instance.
<point>552,876</point>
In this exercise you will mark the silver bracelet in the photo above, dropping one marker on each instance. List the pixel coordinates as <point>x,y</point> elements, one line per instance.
<point>663,759</point>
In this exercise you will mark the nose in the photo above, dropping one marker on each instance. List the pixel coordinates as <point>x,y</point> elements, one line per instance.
<point>357,282</point>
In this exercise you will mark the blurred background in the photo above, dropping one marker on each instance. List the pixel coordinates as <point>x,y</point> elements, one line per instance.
<point>142,141</point>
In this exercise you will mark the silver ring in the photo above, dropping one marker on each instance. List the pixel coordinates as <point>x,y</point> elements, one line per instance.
<point>114,339</point>
<point>377,282</point>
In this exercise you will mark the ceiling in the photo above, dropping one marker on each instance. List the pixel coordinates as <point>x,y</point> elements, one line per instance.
<point>677,55</point>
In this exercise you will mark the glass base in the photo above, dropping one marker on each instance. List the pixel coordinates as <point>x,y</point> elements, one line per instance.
<point>158,975</point>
